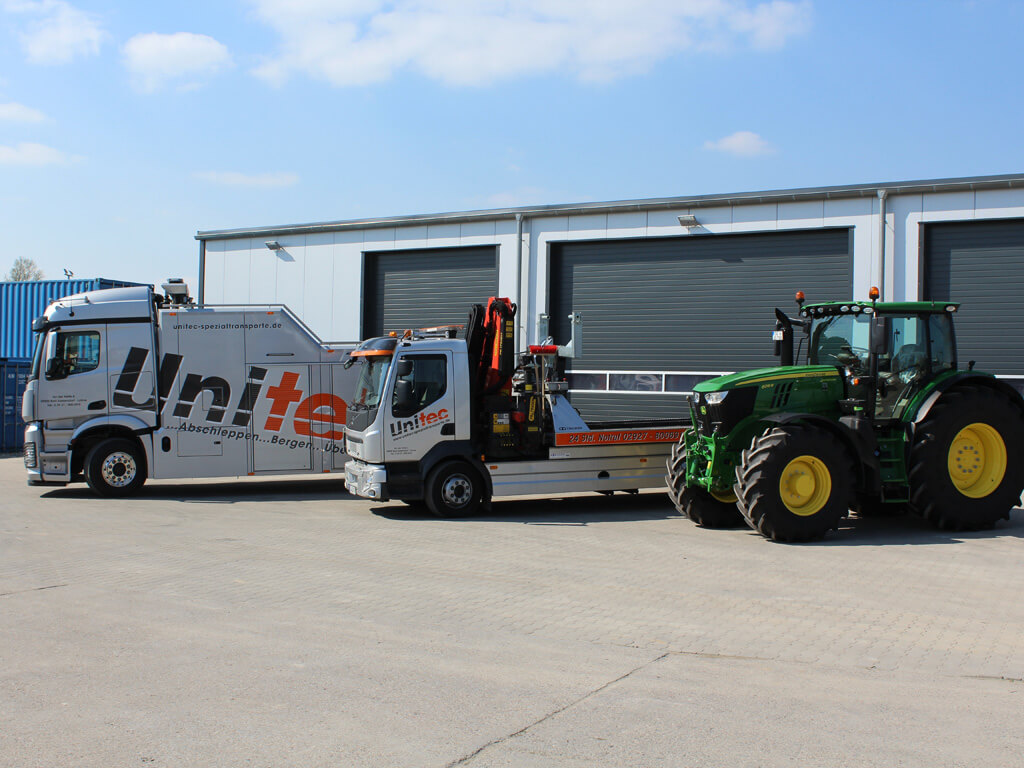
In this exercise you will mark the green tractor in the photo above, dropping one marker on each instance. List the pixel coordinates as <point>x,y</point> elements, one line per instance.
<point>881,420</point>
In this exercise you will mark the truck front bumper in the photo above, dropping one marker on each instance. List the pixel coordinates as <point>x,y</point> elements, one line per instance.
<point>366,480</point>
<point>43,468</point>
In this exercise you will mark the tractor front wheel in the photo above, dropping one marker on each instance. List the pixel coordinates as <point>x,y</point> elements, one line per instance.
<point>967,461</point>
<point>795,483</point>
<point>705,509</point>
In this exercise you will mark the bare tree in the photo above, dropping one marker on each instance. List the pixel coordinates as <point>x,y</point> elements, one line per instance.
<point>24,269</point>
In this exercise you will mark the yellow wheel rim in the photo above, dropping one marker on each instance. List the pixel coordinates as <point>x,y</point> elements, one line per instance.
<point>977,460</point>
<point>805,485</point>
<point>726,497</point>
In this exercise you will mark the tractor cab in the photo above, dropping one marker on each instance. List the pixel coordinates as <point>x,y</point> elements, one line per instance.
<point>886,352</point>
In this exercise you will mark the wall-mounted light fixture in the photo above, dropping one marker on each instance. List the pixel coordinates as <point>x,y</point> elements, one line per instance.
<point>273,245</point>
<point>688,220</point>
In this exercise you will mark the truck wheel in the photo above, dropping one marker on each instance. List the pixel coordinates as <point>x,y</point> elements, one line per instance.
<point>794,483</point>
<point>115,467</point>
<point>454,490</point>
<point>967,461</point>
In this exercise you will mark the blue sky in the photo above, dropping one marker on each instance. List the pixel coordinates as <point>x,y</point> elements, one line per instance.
<point>125,127</point>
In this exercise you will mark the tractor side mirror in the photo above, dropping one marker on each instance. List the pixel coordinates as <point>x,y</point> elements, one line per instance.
<point>404,403</point>
<point>881,332</point>
<point>403,368</point>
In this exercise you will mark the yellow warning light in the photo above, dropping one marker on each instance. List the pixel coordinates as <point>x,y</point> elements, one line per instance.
<point>392,334</point>
<point>800,296</point>
<point>873,294</point>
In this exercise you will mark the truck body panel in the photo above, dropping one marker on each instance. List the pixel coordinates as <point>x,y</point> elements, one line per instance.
<point>206,391</point>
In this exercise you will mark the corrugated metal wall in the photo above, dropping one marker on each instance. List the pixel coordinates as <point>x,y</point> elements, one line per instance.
<point>981,264</point>
<point>22,302</point>
<point>685,304</point>
<point>13,374</point>
<point>417,289</point>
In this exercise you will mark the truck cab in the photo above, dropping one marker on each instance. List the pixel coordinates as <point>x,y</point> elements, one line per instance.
<point>448,422</point>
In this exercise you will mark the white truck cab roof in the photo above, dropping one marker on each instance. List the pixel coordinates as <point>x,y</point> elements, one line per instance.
<point>107,304</point>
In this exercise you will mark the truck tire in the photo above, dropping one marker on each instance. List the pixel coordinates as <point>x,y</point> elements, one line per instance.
<point>701,507</point>
<point>454,489</point>
<point>966,470</point>
<point>795,483</point>
<point>115,467</point>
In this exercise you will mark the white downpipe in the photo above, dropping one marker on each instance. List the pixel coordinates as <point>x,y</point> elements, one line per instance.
<point>880,276</point>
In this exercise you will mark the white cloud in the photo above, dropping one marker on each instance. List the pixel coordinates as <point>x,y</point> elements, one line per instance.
<point>155,60</point>
<point>13,112</point>
<point>356,42</point>
<point>55,32</point>
<point>235,179</point>
<point>33,154</point>
<point>741,144</point>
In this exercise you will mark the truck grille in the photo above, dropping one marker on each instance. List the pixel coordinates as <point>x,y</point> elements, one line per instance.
<point>30,455</point>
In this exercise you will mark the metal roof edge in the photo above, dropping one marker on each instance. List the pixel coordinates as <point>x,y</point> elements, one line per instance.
<point>968,183</point>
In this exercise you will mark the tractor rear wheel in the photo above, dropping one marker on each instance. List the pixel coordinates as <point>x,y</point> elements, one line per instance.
<point>705,509</point>
<point>795,483</point>
<point>967,461</point>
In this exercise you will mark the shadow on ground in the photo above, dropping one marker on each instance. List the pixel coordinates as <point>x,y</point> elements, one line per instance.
<point>229,492</point>
<point>571,510</point>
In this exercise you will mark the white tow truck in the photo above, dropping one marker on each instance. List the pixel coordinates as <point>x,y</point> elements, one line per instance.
<point>127,384</point>
<point>452,422</point>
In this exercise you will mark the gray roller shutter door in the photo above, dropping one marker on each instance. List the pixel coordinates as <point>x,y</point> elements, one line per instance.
<point>686,304</point>
<point>981,265</point>
<point>416,289</point>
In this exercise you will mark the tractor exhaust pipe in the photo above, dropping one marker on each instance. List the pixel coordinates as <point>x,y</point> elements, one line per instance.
<point>783,337</point>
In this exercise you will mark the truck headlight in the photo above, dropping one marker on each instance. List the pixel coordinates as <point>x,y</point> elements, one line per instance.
<point>715,398</point>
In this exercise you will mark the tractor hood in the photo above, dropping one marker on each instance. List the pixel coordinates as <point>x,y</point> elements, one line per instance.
<point>764,376</point>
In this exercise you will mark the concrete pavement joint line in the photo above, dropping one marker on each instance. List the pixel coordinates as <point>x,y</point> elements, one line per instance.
<point>549,715</point>
<point>34,589</point>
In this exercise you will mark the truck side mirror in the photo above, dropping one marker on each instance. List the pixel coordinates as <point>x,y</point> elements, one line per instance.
<point>881,332</point>
<point>55,368</point>
<point>403,368</point>
<point>404,403</point>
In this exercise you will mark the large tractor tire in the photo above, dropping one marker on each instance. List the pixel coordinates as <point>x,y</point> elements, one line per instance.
<point>795,483</point>
<point>705,509</point>
<point>967,461</point>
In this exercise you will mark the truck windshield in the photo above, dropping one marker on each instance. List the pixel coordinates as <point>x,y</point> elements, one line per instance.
<point>841,340</point>
<point>372,377</point>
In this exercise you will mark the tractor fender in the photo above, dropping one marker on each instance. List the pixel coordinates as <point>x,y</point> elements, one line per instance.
<point>971,379</point>
<point>853,432</point>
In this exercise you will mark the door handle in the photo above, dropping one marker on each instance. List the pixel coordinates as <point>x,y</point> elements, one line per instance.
<point>448,429</point>
<point>97,405</point>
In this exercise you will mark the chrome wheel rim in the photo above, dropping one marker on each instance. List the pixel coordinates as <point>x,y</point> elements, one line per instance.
<point>457,491</point>
<point>119,469</point>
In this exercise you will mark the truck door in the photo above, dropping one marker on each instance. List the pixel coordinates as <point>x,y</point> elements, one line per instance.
<point>422,409</point>
<point>74,374</point>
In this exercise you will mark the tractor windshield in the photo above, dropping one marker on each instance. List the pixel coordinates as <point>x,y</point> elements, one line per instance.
<point>841,340</point>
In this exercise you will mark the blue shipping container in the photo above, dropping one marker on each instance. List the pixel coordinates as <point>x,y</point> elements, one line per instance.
<point>22,302</point>
<point>13,374</point>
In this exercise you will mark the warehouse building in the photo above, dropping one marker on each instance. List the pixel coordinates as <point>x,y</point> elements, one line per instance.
<point>671,290</point>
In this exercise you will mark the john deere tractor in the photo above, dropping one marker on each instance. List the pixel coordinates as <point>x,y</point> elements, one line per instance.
<point>881,419</point>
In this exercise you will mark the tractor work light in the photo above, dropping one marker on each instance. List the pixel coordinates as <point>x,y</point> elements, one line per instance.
<point>951,308</point>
